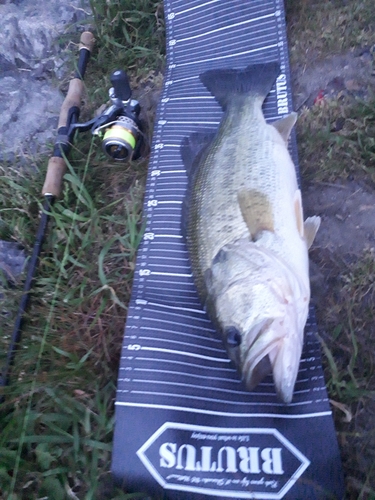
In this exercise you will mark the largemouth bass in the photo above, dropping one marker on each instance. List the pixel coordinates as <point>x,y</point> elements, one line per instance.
<point>245,232</point>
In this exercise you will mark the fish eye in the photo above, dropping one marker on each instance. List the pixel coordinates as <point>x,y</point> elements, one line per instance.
<point>233,336</point>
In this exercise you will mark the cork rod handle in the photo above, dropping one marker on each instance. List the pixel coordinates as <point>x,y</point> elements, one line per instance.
<point>56,165</point>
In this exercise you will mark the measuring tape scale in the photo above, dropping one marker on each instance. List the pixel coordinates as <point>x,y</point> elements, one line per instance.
<point>163,275</point>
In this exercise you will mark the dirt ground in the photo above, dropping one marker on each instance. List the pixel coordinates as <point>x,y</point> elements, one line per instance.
<point>347,210</point>
<point>347,207</point>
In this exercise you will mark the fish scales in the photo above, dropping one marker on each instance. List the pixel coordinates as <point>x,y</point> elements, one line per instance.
<point>245,232</point>
<point>237,159</point>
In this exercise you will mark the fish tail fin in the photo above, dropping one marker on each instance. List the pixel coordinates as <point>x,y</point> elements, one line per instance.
<point>257,79</point>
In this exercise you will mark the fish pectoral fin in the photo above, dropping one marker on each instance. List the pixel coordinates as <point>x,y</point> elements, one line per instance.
<point>284,125</point>
<point>256,211</point>
<point>312,225</point>
<point>299,212</point>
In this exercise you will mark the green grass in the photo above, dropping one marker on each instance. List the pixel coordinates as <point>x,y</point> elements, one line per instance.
<point>318,28</point>
<point>58,414</point>
<point>336,143</point>
<point>57,419</point>
<point>131,37</point>
<point>336,137</point>
<point>352,369</point>
<point>349,320</point>
<point>348,152</point>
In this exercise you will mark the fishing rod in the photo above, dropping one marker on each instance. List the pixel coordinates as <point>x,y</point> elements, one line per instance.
<point>121,131</point>
<point>56,169</point>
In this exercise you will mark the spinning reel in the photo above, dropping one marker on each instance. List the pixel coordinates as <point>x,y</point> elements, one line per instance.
<point>119,125</point>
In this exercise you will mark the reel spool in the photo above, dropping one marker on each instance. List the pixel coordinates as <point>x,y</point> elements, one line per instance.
<point>120,139</point>
<point>118,126</point>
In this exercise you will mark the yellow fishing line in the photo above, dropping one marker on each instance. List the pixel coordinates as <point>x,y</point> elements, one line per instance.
<point>49,318</point>
<point>120,132</point>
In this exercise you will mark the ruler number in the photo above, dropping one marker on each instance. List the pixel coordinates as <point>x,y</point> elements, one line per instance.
<point>134,347</point>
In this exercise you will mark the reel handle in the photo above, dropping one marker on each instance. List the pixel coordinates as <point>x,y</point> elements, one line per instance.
<point>120,82</point>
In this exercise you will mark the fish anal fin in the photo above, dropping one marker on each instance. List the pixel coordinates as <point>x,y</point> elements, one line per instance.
<point>299,212</point>
<point>311,228</point>
<point>256,211</point>
<point>284,125</point>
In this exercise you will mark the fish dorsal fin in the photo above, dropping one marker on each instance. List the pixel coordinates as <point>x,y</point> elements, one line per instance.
<point>193,149</point>
<point>311,228</point>
<point>256,210</point>
<point>299,212</point>
<point>284,125</point>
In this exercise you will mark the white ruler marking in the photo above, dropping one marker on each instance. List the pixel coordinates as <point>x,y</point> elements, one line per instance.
<point>196,7</point>
<point>187,354</point>
<point>252,51</point>
<point>230,26</point>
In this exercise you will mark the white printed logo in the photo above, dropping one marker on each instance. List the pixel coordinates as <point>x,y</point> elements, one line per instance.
<point>230,462</point>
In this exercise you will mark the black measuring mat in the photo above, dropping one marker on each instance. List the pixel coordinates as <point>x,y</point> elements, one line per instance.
<point>185,423</point>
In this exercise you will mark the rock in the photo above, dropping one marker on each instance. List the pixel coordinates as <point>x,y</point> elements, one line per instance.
<point>27,106</point>
<point>12,262</point>
<point>30,57</point>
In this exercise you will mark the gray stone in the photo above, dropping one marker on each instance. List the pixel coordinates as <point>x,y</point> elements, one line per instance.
<point>28,106</point>
<point>32,58</point>
<point>12,262</point>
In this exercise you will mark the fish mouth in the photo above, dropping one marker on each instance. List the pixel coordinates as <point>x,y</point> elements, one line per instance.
<point>256,361</point>
<point>272,351</point>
